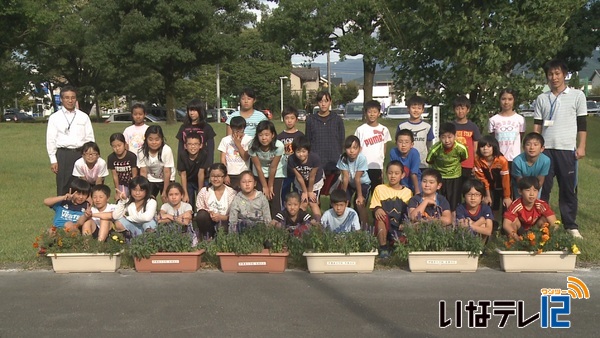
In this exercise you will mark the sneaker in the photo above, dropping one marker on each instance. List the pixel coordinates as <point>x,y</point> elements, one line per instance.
<point>383,254</point>
<point>575,233</point>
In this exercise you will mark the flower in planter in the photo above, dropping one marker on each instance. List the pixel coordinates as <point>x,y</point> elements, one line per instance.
<point>253,239</point>
<point>541,239</point>
<point>167,237</point>
<point>61,240</point>
<point>319,239</point>
<point>433,235</point>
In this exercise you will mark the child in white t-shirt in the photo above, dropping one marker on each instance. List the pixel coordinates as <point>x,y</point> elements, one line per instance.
<point>234,151</point>
<point>91,167</point>
<point>373,137</point>
<point>134,134</point>
<point>98,219</point>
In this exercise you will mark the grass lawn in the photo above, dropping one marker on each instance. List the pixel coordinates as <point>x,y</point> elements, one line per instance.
<point>26,179</point>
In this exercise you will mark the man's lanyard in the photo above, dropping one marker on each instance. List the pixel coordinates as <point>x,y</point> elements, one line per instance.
<point>553,104</point>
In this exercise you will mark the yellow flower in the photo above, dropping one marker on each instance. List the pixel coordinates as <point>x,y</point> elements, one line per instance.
<point>575,249</point>
<point>115,237</point>
<point>121,242</point>
<point>542,243</point>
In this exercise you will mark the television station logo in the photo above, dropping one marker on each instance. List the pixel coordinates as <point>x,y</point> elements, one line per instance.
<point>555,306</point>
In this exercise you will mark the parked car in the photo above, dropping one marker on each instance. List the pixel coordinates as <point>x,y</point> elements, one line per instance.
<point>401,113</point>
<point>354,111</point>
<point>526,110</point>
<point>301,115</point>
<point>593,108</point>
<point>18,117</point>
<point>225,113</point>
<point>340,112</point>
<point>126,118</point>
<point>160,113</point>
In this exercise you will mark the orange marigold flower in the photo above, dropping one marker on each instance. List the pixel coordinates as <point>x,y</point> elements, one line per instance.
<point>545,230</point>
<point>545,225</point>
<point>53,228</point>
<point>530,236</point>
<point>532,243</point>
<point>545,238</point>
<point>36,245</point>
<point>507,244</point>
<point>539,251</point>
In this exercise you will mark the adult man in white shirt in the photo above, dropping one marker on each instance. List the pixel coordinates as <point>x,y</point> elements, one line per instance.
<point>68,129</point>
<point>560,116</point>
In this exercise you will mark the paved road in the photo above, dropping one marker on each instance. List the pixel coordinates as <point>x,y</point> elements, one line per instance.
<point>392,303</point>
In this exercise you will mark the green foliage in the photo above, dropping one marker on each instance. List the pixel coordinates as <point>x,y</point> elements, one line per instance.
<point>583,32</point>
<point>540,239</point>
<point>167,237</point>
<point>59,240</point>
<point>319,239</point>
<point>258,64</point>
<point>253,239</point>
<point>347,93</point>
<point>434,236</point>
<point>447,48</point>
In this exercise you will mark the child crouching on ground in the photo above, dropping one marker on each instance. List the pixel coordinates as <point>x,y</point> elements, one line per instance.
<point>292,217</point>
<point>176,210</point>
<point>98,220</point>
<point>340,218</point>
<point>249,206</point>
<point>473,213</point>
<point>389,205</point>
<point>70,207</point>
<point>136,211</point>
<point>429,204</point>
<point>527,210</point>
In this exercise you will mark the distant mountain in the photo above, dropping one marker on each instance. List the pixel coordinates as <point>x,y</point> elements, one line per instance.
<point>352,69</point>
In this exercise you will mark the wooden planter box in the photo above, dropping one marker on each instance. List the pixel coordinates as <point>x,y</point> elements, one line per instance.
<point>549,261</point>
<point>360,262</point>
<point>170,262</point>
<point>85,262</point>
<point>442,261</point>
<point>254,262</point>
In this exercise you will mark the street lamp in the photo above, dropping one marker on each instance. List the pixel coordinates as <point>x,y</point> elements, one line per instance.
<point>281,78</point>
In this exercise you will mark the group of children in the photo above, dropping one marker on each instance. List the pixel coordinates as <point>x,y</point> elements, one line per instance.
<point>275,178</point>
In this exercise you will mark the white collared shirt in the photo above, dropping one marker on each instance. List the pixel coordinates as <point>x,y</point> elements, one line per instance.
<point>67,130</point>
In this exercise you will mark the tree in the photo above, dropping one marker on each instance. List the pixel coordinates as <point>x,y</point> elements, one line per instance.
<point>348,92</point>
<point>449,47</point>
<point>258,65</point>
<point>311,28</point>
<point>170,37</point>
<point>583,32</point>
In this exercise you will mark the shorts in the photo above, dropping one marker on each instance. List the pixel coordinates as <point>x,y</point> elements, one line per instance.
<point>351,191</point>
<point>451,189</point>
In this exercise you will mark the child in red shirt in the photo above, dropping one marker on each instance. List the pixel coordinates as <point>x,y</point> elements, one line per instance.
<point>527,210</point>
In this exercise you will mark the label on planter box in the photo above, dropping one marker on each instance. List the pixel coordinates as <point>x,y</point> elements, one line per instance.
<point>441,262</point>
<point>251,263</point>
<point>165,261</point>
<point>341,263</point>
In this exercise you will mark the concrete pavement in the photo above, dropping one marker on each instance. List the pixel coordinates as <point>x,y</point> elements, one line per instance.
<point>393,303</point>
